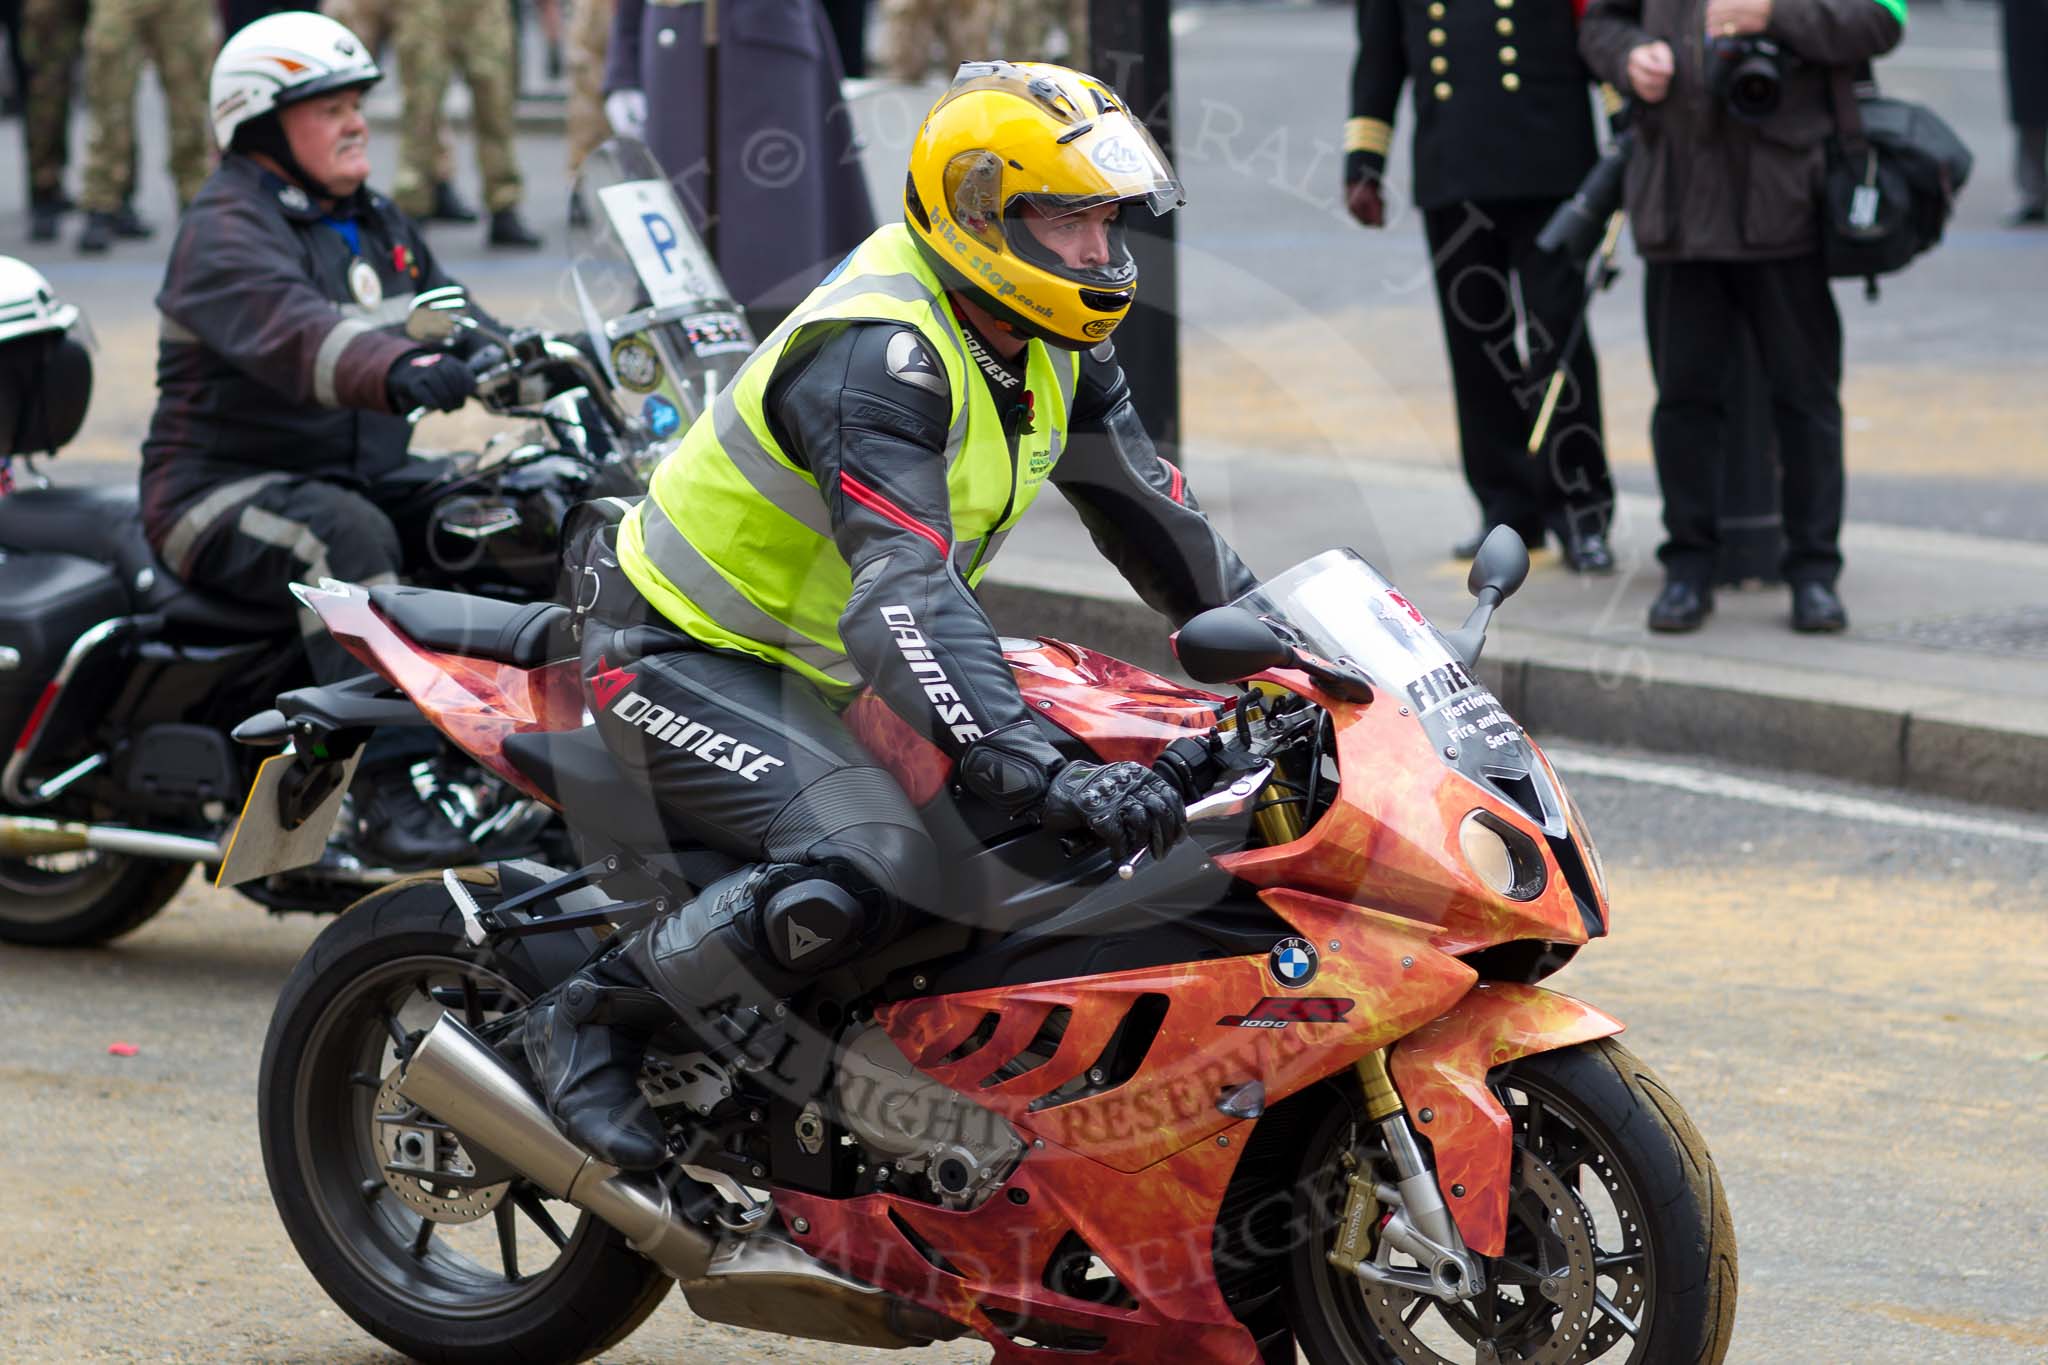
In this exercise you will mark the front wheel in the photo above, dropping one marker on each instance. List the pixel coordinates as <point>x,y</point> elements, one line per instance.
<point>375,1193</point>
<point>1620,1250</point>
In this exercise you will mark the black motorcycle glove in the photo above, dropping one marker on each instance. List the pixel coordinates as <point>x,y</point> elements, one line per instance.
<point>430,379</point>
<point>1127,806</point>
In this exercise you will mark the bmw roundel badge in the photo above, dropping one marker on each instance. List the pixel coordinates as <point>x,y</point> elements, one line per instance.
<point>1293,962</point>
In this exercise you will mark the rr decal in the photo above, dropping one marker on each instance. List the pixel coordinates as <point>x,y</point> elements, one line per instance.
<point>1279,1011</point>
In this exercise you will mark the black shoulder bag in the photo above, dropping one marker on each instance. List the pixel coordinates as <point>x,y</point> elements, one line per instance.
<point>1893,172</point>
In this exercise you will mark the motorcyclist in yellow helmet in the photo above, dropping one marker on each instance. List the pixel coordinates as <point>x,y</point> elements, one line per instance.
<point>822,527</point>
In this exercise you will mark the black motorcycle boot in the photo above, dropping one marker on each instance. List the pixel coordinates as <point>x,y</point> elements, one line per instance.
<point>131,226</point>
<point>725,961</point>
<point>397,827</point>
<point>586,1042</point>
<point>507,229</point>
<point>44,217</point>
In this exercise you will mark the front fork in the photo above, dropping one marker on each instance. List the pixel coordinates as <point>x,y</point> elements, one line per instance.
<point>1418,1224</point>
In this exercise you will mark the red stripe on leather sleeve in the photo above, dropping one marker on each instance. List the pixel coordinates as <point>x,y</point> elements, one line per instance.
<point>1179,480</point>
<point>882,506</point>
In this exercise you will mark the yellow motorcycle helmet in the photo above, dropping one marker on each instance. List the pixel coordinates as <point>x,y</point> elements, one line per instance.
<point>1010,136</point>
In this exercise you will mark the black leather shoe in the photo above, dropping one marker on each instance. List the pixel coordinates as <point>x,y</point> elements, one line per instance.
<point>587,1058</point>
<point>97,235</point>
<point>1681,606</point>
<point>448,206</point>
<point>1817,610</point>
<point>2033,215</point>
<point>507,230</point>
<point>397,828</point>
<point>1588,552</point>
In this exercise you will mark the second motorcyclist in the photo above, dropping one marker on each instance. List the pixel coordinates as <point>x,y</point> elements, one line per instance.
<point>822,527</point>
<point>284,374</point>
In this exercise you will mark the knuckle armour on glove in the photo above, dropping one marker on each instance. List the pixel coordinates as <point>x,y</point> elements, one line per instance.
<point>1127,806</point>
<point>440,382</point>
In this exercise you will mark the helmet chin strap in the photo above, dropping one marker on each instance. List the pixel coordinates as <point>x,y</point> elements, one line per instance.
<point>265,135</point>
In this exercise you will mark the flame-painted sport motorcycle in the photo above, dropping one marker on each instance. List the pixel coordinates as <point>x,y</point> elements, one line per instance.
<point>1294,1084</point>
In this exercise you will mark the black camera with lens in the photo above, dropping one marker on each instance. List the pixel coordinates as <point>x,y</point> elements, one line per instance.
<point>1747,73</point>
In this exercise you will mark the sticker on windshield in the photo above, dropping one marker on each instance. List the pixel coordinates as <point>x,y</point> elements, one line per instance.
<point>666,254</point>
<point>636,365</point>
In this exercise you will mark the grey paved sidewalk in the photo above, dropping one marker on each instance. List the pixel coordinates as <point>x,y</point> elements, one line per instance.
<point>1941,684</point>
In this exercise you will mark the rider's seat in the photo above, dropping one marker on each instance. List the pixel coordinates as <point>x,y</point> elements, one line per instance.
<point>105,524</point>
<point>523,634</point>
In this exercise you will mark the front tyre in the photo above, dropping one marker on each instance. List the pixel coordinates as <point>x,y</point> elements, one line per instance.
<point>439,1268</point>
<point>1619,1244</point>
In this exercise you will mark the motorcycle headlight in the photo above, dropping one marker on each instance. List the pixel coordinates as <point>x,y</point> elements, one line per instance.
<point>1503,857</point>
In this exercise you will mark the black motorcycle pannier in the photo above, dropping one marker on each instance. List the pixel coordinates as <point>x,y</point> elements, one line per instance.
<point>46,602</point>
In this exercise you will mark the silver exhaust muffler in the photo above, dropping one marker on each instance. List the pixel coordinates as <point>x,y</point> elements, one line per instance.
<point>29,836</point>
<point>457,1079</point>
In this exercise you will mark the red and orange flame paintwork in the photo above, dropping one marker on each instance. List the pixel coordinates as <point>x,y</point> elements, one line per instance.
<point>1139,1170</point>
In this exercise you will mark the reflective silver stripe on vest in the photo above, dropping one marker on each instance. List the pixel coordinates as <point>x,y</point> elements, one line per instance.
<point>188,530</point>
<point>678,561</point>
<point>328,359</point>
<point>169,328</point>
<point>384,313</point>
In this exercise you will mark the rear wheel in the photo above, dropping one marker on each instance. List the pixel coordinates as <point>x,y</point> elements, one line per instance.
<point>73,900</point>
<point>437,1267</point>
<point>1619,1247</point>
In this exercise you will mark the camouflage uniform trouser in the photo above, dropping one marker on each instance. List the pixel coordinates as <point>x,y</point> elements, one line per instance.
<point>590,32</point>
<point>964,28</point>
<point>1028,26</point>
<point>371,21</point>
<point>177,37</point>
<point>437,39</point>
<point>52,33</point>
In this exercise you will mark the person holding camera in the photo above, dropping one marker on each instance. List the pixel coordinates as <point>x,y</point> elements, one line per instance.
<point>1723,192</point>
<point>1503,133</point>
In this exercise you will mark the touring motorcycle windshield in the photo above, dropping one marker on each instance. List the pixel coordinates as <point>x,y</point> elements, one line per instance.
<point>658,313</point>
<point>1341,608</point>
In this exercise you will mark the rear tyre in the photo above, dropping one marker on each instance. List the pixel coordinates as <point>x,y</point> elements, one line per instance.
<point>74,900</point>
<point>435,1269</point>
<point>1620,1248</point>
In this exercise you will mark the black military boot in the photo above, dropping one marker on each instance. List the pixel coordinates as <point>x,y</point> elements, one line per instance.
<point>399,827</point>
<point>586,1041</point>
<point>131,226</point>
<point>44,216</point>
<point>449,206</point>
<point>98,234</point>
<point>508,230</point>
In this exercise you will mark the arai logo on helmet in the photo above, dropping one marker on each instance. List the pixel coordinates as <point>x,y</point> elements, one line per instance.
<point>1117,156</point>
<point>1293,962</point>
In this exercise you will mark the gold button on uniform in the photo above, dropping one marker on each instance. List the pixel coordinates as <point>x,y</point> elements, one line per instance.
<point>1439,65</point>
<point>1507,56</point>
<point>1509,81</point>
<point>1443,90</point>
<point>1504,26</point>
<point>1436,10</point>
<point>1505,4</point>
<point>1436,37</point>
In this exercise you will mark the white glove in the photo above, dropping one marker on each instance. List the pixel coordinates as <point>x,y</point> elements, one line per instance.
<point>626,111</point>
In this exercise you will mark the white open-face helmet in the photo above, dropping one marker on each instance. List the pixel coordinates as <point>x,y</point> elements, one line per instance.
<point>27,303</point>
<point>281,59</point>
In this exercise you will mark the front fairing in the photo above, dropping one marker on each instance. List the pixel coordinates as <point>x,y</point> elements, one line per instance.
<point>1434,746</point>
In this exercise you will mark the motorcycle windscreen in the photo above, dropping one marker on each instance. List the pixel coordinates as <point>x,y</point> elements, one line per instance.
<point>659,315</point>
<point>1338,606</point>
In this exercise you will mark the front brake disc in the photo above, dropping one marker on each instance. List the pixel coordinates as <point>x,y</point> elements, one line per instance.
<point>1555,1324</point>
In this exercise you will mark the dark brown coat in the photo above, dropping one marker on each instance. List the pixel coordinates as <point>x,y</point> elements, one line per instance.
<point>1705,185</point>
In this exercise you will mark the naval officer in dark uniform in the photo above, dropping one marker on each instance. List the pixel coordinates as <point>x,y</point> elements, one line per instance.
<point>1503,134</point>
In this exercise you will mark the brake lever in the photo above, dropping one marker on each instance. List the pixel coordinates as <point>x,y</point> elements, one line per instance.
<point>1231,799</point>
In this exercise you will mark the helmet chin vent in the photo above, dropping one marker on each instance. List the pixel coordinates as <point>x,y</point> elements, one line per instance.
<point>1103,302</point>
